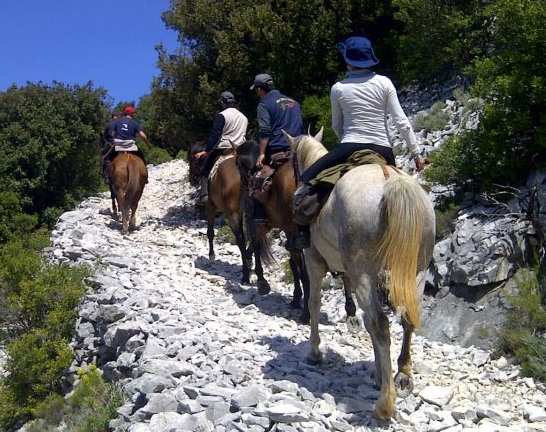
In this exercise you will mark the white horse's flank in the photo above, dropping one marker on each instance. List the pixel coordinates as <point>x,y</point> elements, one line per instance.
<point>378,231</point>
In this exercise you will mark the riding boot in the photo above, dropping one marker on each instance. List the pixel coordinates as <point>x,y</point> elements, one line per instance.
<point>258,216</point>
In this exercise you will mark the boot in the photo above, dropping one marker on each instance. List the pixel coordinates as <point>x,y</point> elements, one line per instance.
<point>204,190</point>
<point>259,217</point>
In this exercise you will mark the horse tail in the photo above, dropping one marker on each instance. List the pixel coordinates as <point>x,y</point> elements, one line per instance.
<point>262,244</point>
<point>133,181</point>
<point>403,209</point>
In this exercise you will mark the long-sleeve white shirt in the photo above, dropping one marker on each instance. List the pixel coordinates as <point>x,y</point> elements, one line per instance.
<point>361,104</point>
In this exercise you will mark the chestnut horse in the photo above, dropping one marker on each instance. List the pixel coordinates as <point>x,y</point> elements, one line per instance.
<point>224,196</point>
<point>128,176</point>
<point>278,210</point>
<point>378,228</point>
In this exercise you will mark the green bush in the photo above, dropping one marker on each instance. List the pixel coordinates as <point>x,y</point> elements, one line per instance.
<point>433,120</point>
<point>525,327</point>
<point>39,312</point>
<point>156,155</point>
<point>89,408</point>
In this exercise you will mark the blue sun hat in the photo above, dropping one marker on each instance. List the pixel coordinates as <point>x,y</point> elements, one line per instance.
<point>358,52</point>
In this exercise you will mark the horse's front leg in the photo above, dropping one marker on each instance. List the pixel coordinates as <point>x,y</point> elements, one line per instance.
<point>316,269</point>
<point>236,225</point>
<point>353,324</point>
<point>294,267</point>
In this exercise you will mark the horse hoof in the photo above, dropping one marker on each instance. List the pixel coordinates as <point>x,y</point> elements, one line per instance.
<point>314,359</point>
<point>353,324</point>
<point>263,288</point>
<point>404,384</point>
<point>295,304</point>
<point>304,317</point>
<point>212,257</point>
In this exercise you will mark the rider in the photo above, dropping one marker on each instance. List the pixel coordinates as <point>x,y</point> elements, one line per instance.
<point>107,142</point>
<point>276,112</point>
<point>360,104</point>
<point>229,126</point>
<point>126,130</point>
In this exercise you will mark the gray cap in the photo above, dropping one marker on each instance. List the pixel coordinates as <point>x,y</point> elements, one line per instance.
<point>227,97</point>
<point>262,80</point>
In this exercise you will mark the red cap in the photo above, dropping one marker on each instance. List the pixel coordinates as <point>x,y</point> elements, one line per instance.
<point>129,110</point>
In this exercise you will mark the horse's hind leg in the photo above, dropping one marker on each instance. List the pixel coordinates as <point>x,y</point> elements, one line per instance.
<point>236,225</point>
<point>210,212</point>
<point>377,325</point>
<point>403,379</point>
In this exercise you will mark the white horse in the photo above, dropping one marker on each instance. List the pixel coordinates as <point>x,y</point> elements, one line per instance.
<point>378,229</point>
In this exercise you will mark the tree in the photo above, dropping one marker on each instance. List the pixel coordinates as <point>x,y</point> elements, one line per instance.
<point>49,146</point>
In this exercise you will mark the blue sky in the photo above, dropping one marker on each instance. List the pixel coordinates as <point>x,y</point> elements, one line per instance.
<point>109,42</point>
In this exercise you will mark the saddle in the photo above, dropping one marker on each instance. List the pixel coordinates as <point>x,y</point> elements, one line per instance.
<point>308,201</point>
<point>262,181</point>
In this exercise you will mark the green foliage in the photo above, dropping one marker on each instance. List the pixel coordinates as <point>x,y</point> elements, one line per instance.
<point>89,408</point>
<point>39,310</point>
<point>525,327</point>
<point>288,277</point>
<point>445,220</point>
<point>157,156</point>
<point>48,150</point>
<point>316,109</point>
<point>440,38</point>
<point>433,120</point>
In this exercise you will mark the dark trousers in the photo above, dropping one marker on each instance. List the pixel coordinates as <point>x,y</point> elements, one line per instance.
<point>206,168</point>
<point>340,154</point>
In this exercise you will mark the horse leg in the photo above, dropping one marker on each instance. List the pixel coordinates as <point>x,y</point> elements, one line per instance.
<point>236,224</point>
<point>350,308</point>
<point>377,325</point>
<point>316,269</point>
<point>297,294</point>
<point>263,286</point>
<point>210,211</point>
<point>403,378</point>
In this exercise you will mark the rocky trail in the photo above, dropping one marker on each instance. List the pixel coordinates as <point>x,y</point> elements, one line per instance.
<point>195,350</point>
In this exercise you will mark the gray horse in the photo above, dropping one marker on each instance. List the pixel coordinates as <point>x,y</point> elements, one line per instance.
<point>378,229</point>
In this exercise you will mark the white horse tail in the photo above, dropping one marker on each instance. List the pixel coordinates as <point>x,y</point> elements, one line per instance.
<point>403,211</point>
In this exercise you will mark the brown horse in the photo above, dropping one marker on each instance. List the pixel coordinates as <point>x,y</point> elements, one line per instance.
<point>224,196</point>
<point>128,176</point>
<point>278,209</point>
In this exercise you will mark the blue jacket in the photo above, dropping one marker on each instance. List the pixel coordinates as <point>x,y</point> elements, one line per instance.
<point>275,113</point>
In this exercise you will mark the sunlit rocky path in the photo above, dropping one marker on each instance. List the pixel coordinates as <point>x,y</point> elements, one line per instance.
<point>194,350</point>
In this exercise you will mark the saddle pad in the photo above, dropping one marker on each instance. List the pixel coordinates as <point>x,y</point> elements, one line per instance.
<point>359,157</point>
<point>221,159</point>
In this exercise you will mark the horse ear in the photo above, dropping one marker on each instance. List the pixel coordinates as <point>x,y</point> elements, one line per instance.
<point>319,134</point>
<point>288,137</point>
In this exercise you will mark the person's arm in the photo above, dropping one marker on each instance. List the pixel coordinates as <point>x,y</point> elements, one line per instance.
<point>214,136</point>
<point>337,114</point>
<point>144,138</point>
<point>264,130</point>
<point>404,126</point>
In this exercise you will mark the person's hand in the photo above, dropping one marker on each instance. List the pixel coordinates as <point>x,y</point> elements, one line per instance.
<point>200,155</point>
<point>260,161</point>
<point>419,163</point>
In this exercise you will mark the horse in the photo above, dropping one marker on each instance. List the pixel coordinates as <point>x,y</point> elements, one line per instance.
<point>377,228</point>
<point>128,176</point>
<point>278,209</point>
<point>224,196</point>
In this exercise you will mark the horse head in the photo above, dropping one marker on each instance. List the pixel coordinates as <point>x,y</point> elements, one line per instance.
<point>306,148</point>
<point>195,164</point>
<point>246,156</point>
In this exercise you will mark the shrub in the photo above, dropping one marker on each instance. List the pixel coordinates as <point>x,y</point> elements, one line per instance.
<point>433,120</point>
<point>156,155</point>
<point>89,408</point>
<point>525,328</point>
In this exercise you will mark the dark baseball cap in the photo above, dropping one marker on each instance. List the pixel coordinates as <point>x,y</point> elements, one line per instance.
<point>227,97</point>
<point>262,80</point>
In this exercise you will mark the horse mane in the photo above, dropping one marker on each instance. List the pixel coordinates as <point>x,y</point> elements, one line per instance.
<point>309,150</point>
<point>247,155</point>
